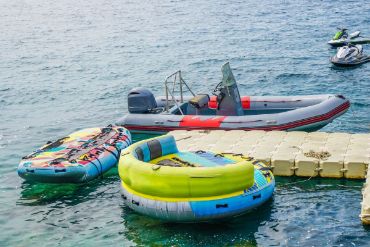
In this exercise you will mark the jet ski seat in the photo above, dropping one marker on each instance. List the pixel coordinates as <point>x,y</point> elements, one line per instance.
<point>359,47</point>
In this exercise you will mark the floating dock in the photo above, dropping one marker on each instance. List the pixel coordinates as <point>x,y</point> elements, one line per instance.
<point>315,154</point>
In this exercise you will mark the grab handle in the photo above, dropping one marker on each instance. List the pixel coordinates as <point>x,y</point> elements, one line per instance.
<point>60,170</point>
<point>174,121</point>
<point>256,196</point>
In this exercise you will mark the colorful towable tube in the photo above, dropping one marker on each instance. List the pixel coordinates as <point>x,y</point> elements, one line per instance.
<point>76,158</point>
<point>160,181</point>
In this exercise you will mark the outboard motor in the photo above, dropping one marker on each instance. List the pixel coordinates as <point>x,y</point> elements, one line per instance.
<point>228,97</point>
<point>141,100</point>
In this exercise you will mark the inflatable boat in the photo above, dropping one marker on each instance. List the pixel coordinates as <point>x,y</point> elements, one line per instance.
<point>161,182</point>
<point>77,158</point>
<point>226,110</point>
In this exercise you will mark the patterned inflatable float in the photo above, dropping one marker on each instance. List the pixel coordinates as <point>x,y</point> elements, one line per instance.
<point>79,157</point>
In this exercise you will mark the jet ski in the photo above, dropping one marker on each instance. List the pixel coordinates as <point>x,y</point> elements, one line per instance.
<point>350,55</point>
<point>342,37</point>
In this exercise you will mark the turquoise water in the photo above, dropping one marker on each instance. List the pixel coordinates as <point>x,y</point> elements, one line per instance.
<point>68,65</point>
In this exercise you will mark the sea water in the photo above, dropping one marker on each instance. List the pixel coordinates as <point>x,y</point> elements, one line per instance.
<point>68,65</point>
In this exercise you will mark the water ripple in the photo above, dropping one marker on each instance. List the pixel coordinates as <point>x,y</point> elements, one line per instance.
<point>69,65</point>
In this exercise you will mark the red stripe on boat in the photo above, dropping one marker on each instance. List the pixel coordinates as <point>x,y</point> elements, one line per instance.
<point>196,121</point>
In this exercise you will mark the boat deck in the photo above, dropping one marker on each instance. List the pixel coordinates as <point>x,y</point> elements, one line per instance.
<point>334,155</point>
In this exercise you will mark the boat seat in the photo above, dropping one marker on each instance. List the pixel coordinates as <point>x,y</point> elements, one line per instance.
<point>197,103</point>
<point>200,101</point>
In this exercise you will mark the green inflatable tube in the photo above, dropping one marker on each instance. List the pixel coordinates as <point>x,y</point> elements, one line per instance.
<point>139,175</point>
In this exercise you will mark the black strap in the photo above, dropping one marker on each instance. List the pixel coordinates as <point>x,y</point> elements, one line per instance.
<point>100,172</point>
<point>115,155</point>
<point>183,162</point>
<point>234,154</point>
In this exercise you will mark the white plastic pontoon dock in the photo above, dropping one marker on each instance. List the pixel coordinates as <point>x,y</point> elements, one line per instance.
<point>334,155</point>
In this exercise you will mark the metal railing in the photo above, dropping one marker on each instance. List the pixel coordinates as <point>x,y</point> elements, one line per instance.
<point>174,80</point>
